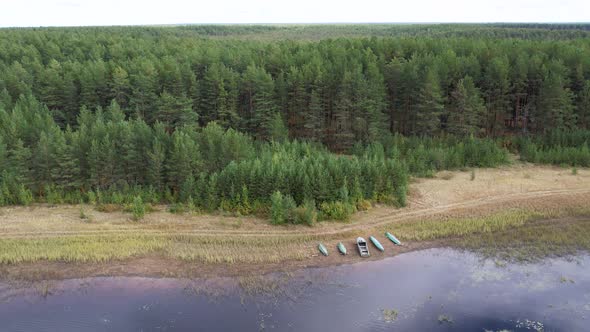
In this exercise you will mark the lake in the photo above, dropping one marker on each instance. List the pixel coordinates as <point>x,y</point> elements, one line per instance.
<point>429,290</point>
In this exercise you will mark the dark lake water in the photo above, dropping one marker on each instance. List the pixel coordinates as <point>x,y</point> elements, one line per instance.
<point>431,290</point>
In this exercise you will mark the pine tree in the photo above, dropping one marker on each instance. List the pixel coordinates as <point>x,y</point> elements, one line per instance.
<point>277,129</point>
<point>430,105</point>
<point>373,99</point>
<point>119,86</point>
<point>313,121</point>
<point>155,166</point>
<point>66,172</point>
<point>114,113</point>
<point>19,163</point>
<point>466,109</point>
<point>175,111</point>
<point>3,155</point>
<point>258,92</point>
<point>342,135</point>
<point>583,106</point>
<point>144,96</point>
<point>555,103</point>
<point>496,93</point>
<point>184,159</point>
<point>43,163</point>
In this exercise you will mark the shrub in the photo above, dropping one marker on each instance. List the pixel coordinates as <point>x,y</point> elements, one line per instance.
<point>53,196</point>
<point>282,208</point>
<point>336,210</point>
<point>277,213</point>
<point>138,208</point>
<point>91,196</point>
<point>25,196</point>
<point>363,205</point>
<point>108,208</point>
<point>306,214</point>
<point>83,215</point>
<point>177,208</point>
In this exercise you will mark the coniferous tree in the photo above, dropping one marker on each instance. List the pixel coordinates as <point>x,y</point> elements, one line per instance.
<point>373,99</point>
<point>66,173</point>
<point>43,162</point>
<point>144,89</point>
<point>466,109</point>
<point>119,86</point>
<point>430,105</point>
<point>277,129</point>
<point>555,103</point>
<point>184,159</point>
<point>155,166</point>
<point>583,106</point>
<point>258,89</point>
<point>19,162</point>
<point>176,111</point>
<point>496,94</point>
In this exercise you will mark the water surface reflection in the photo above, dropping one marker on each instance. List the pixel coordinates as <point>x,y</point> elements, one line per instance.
<point>431,290</point>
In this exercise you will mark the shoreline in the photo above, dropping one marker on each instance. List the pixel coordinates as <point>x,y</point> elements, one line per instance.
<point>54,245</point>
<point>159,266</point>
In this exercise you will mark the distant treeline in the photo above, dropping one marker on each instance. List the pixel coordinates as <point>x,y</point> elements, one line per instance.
<point>334,91</point>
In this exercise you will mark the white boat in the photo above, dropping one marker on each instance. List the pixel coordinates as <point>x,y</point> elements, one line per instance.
<point>363,248</point>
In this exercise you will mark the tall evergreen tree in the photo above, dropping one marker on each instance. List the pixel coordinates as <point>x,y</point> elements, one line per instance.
<point>184,159</point>
<point>466,109</point>
<point>430,105</point>
<point>176,111</point>
<point>555,103</point>
<point>156,165</point>
<point>583,106</point>
<point>260,106</point>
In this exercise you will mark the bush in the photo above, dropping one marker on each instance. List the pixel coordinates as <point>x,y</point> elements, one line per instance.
<point>25,196</point>
<point>91,196</point>
<point>277,212</point>
<point>336,210</point>
<point>363,205</point>
<point>282,208</point>
<point>556,148</point>
<point>53,196</point>
<point>306,214</point>
<point>108,208</point>
<point>138,208</point>
<point>177,208</point>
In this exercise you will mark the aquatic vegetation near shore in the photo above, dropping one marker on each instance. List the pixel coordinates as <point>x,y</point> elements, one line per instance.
<point>389,315</point>
<point>445,319</point>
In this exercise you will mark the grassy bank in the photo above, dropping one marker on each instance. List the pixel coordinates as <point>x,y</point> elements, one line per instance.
<point>502,230</point>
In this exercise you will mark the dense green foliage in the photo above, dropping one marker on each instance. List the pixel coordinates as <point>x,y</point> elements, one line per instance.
<point>110,160</point>
<point>243,118</point>
<point>412,79</point>
<point>558,148</point>
<point>425,155</point>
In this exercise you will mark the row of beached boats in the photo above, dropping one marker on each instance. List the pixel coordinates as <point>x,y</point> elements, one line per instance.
<point>362,246</point>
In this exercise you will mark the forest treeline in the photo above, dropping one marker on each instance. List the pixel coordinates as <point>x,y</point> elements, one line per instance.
<point>106,158</point>
<point>334,91</point>
<point>210,118</point>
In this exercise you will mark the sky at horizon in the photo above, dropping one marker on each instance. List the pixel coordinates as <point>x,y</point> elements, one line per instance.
<point>30,13</point>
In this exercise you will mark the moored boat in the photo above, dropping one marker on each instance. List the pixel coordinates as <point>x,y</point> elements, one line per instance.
<point>341,248</point>
<point>393,238</point>
<point>323,249</point>
<point>376,243</point>
<point>363,248</point>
